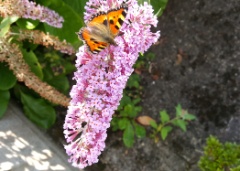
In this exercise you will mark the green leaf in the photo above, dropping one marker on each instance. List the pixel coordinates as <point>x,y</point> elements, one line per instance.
<point>123,123</point>
<point>136,101</point>
<point>38,111</point>
<point>151,56</point>
<point>124,101</point>
<point>154,124</point>
<point>33,63</point>
<point>69,67</point>
<point>5,24</point>
<point>130,110</point>
<point>29,45</point>
<point>27,23</point>
<point>7,79</point>
<point>164,116</point>
<point>180,123</point>
<point>165,131</point>
<point>77,6</point>
<point>128,136</point>
<point>137,109</point>
<point>4,100</point>
<point>47,73</point>
<point>139,130</point>
<point>159,6</point>
<point>133,81</point>
<point>127,111</point>
<point>72,22</point>
<point>142,1</point>
<point>178,110</point>
<point>114,124</point>
<point>188,116</point>
<point>60,83</point>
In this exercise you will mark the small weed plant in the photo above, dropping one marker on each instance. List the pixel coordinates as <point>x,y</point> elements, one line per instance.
<point>166,125</point>
<point>220,157</point>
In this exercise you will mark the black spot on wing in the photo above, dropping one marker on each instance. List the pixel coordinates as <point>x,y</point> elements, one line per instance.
<point>105,22</point>
<point>116,27</point>
<point>120,21</point>
<point>111,22</point>
<point>96,51</point>
<point>101,47</point>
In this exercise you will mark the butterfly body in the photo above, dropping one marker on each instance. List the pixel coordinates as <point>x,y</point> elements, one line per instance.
<point>102,29</point>
<point>100,32</point>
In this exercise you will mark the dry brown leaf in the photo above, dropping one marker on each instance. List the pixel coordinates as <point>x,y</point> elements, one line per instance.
<point>144,120</point>
<point>155,77</point>
<point>138,71</point>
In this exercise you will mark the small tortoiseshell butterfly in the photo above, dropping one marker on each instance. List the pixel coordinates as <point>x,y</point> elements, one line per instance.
<point>102,28</point>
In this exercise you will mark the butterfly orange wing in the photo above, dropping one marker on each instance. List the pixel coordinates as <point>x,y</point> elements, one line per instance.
<point>84,34</point>
<point>99,18</point>
<point>93,45</point>
<point>116,18</point>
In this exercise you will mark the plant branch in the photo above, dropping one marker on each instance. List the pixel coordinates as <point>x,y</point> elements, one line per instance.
<point>11,54</point>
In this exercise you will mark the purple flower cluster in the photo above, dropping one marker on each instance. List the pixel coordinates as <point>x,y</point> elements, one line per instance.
<point>100,80</point>
<point>34,11</point>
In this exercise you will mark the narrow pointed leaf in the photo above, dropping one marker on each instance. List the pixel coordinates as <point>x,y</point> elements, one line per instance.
<point>178,110</point>
<point>164,116</point>
<point>128,135</point>
<point>165,131</point>
<point>153,124</point>
<point>180,123</point>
